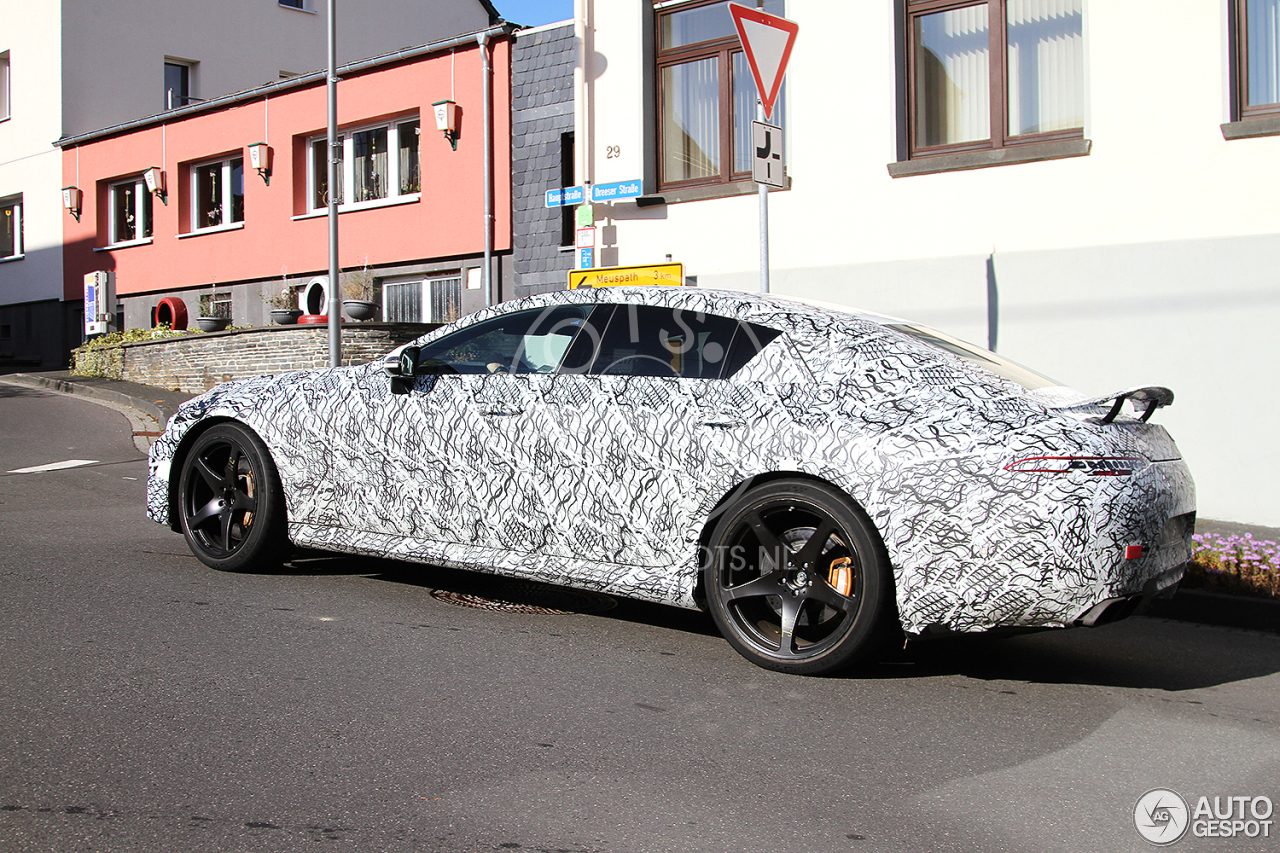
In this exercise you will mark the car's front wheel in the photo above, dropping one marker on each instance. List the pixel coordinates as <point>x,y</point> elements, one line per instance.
<point>796,579</point>
<point>230,501</point>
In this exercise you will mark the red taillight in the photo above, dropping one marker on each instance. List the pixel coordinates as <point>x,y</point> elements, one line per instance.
<point>1094,466</point>
<point>1133,552</point>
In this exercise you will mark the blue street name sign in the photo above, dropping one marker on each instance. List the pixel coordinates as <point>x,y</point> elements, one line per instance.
<point>585,259</point>
<point>621,189</point>
<point>565,196</point>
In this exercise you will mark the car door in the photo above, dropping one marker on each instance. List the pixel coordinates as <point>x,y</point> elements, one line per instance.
<point>454,459</point>
<point>626,402</point>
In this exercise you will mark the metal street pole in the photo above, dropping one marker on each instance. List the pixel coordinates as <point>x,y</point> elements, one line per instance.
<point>764,220</point>
<point>335,307</point>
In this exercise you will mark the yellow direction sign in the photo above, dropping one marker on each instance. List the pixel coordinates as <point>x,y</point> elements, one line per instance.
<point>663,274</point>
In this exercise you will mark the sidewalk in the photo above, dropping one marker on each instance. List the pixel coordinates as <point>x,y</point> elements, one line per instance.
<point>156,402</point>
<point>1188,605</point>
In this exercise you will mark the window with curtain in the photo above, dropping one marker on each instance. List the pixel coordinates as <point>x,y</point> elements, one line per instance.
<point>4,85</point>
<point>994,74</point>
<point>381,165</point>
<point>11,227</point>
<point>129,212</point>
<point>706,95</point>
<point>217,194</point>
<point>1257,31</point>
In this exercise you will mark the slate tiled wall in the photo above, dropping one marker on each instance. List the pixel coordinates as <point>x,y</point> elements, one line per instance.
<point>541,110</point>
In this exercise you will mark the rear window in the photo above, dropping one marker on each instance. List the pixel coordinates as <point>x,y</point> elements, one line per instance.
<point>985,359</point>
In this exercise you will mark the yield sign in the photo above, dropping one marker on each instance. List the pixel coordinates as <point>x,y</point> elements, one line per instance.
<point>767,41</point>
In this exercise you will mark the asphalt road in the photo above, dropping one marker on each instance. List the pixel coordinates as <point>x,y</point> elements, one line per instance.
<point>150,704</point>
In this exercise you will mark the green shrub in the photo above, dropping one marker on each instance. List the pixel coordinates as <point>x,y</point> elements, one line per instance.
<point>104,357</point>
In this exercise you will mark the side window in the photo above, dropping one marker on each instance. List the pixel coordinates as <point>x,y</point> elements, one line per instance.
<point>648,340</point>
<point>525,342</point>
<point>748,341</point>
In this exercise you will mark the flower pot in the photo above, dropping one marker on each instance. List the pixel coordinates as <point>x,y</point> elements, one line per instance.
<point>285,316</point>
<point>358,309</point>
<point>212,324</point>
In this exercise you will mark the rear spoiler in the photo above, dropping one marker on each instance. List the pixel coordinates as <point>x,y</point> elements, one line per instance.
<point>1144,399</point>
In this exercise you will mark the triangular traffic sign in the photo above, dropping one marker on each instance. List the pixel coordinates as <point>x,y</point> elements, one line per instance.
<point>767,40</point>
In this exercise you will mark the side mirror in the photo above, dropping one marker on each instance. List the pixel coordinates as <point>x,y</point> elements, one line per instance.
<point>401,370</point>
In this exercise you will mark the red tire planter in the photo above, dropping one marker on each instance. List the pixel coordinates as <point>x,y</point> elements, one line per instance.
<point>172,310</point>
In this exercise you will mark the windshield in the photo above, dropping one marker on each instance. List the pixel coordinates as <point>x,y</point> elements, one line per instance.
<point>986,359</point>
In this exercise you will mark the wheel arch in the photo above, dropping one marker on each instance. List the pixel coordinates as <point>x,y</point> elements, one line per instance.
<point>742,487</point>
<point>180,457</point>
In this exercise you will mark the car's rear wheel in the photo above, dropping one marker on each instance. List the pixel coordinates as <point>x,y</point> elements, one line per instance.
<point>796,579</point>
<point>230,502</point>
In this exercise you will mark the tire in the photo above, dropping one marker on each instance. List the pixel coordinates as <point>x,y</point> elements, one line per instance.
<point>771,584</point>
<point>230,503</point>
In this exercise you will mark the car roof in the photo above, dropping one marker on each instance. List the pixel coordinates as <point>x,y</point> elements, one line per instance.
<point>743,305</point>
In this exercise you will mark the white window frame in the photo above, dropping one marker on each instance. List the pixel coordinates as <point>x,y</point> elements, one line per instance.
<point>346,138</point>
<point>228,164</point>
<point>4,86</point>
<point>12,206</point>
<point>140,200</point>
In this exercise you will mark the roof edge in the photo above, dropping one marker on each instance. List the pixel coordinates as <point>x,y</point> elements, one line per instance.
<point>502,28</point>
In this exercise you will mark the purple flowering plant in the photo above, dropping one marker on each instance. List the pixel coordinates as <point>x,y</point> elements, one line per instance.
<point>1240,565</point>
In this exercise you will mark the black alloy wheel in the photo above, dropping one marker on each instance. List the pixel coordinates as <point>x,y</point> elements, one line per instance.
<point>230,502</point>
<point>797,580</point>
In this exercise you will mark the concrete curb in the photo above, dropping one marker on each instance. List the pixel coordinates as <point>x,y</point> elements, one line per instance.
<point>65,386</point>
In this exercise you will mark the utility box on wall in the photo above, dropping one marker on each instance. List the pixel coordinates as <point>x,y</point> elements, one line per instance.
<point>99,302</point>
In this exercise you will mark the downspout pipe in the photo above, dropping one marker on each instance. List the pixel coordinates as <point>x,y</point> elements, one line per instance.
<point>331,86</point>
<point>487,276</point>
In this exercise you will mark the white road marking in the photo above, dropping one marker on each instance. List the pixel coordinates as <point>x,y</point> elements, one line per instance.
<point>55,466</point>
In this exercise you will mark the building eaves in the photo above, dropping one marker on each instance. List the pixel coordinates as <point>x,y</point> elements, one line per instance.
<point>301,81</point>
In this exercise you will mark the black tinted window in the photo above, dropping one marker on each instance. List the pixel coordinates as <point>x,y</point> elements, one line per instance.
<point>524,342</point>
<point>648,340</point>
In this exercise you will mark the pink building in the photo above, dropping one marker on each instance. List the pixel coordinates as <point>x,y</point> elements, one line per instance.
<point>174,207</point>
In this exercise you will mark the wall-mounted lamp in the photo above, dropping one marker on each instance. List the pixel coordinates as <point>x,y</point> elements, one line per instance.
<point>447,121</point>
<point>72,198</point>
<point>154,178</point>
<point>260,159</point>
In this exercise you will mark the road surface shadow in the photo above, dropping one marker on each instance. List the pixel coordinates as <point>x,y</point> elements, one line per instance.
<point>1139,652</point>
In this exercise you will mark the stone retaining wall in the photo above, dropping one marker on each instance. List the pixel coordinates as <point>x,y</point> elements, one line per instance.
<point>198,362</point>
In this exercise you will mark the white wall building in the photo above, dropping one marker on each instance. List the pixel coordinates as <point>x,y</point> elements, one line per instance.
<point>67,68</point>
<point>1084,185</point>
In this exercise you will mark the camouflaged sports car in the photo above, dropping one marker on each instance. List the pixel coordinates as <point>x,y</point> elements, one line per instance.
<point>821,481</point>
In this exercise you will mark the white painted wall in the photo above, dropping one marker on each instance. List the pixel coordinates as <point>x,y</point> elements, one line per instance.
<point>1152,260</point>
<point>29,164</point>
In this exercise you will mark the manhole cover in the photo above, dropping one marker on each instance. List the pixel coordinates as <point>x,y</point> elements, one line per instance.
<point>528,597</point>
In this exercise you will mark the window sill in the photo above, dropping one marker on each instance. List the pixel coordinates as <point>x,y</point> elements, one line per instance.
<point>9,258</point>
<point>1251,128</point>
<point>1029,153</point>
<point>144,242</point>
<point>217,229</point>
<point>413,198</point>
<point>680,195</point>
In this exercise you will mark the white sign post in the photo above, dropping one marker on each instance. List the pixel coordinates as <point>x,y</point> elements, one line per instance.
<point>767,41</point>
